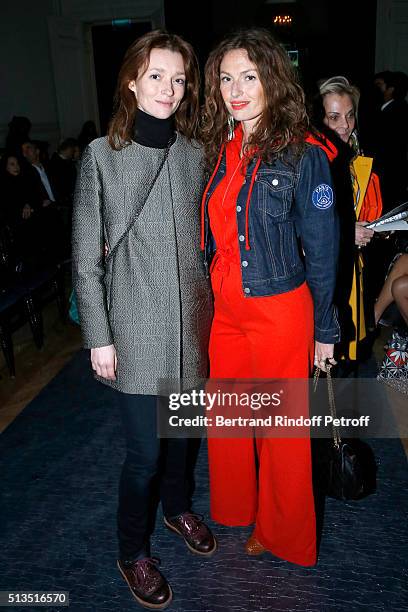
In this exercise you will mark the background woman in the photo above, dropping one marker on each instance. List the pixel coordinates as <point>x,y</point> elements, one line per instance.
<point>15,194</point>
<point>273,311</point>
<point>145,311</point>
<point>339,100</point>
<point>17,209</point>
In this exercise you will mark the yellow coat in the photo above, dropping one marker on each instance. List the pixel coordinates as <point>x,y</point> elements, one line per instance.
<point>361,170</point>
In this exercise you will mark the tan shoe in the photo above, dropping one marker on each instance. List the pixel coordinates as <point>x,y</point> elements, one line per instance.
<point>253,547</point>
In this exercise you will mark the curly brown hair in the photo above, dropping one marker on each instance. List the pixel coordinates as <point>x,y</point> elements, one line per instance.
<point>134,65</point>
<point>284,120</point>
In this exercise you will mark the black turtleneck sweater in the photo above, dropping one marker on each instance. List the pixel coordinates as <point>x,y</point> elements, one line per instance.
<point>152,132</point>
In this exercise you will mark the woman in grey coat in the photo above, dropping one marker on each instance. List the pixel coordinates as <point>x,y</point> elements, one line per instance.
<point>145,306</point>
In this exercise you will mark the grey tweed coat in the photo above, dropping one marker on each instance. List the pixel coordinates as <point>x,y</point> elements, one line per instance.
<point>152,300</point>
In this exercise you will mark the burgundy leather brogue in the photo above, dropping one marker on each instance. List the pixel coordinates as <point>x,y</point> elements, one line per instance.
<point>147,585</point>
<point>195,532</point>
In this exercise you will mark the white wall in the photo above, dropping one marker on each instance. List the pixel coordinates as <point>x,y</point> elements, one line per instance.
<point>100,10</point>
<point>41,57</point>
<point>27,83</point>
<point>28,66</point>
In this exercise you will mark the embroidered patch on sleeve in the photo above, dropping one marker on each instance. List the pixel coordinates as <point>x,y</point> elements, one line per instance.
<point>322,196</point>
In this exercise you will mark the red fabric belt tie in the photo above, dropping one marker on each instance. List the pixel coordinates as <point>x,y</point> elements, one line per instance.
<point>223,259</point>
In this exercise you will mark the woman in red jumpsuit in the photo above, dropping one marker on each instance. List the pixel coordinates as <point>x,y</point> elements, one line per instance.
<point>269,231</point>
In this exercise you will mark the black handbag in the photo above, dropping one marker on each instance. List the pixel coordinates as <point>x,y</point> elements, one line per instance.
<point>344,469</point>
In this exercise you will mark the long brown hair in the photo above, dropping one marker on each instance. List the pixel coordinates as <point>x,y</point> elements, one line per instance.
<point>284,120</point>
<point>134,64</point>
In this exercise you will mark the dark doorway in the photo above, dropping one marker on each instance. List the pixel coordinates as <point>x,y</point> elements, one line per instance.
<point>110,42</point>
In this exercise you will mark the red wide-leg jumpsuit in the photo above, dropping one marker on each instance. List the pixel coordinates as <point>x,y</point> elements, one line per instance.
<point>260,337</point>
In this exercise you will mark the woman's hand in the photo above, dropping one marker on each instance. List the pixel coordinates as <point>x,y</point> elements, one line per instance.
<point>363,234</point>
<point>104,361</point>
<point>323,352</point>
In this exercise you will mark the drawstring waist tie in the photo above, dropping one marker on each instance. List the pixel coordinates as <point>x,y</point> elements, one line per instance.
<point>220,269</point>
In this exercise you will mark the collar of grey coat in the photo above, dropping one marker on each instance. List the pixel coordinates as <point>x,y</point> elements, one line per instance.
<point>152,132</point>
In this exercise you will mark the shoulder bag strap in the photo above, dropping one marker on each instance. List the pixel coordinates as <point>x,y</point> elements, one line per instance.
<point>130,226</point>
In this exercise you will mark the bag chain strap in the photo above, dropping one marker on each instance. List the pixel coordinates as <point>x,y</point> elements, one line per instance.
<point>332,404</point>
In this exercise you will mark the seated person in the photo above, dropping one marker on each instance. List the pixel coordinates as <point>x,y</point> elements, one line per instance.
<point>62,172</point>
<point>41,184</point>
<point>15,200</point>
<point>395,289</point>
<point>391,309</point>
<point>16,207</point>
<point>44,200</point>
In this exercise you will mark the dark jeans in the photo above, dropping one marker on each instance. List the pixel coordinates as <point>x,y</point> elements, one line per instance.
<point>154,469</point>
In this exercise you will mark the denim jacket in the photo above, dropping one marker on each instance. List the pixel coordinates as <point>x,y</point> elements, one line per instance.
<point>287,231</point>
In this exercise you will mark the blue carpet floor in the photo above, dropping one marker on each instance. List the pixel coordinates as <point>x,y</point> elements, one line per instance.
<point>60,462</point>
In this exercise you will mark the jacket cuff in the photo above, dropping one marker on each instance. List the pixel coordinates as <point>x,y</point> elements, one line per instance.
<point>327,336</point>
<point>95,336</point>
